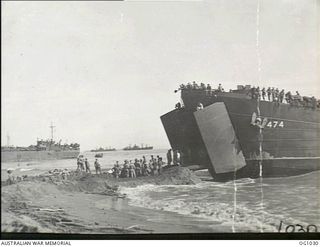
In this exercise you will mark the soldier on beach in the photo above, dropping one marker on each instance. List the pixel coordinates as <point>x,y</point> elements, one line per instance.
<point>154,168</point>
<point>144,160</point>
<point>125,170</point>
<point>116,170</point>
<point>97,166</point>
<point>169,156</point>
<point>86,162</point>
<point>10,179</point>
<point>132,172</point>
<point>79,163</point>
<point>175,157</point>
<point>137,165</point>
<point>160,164</point>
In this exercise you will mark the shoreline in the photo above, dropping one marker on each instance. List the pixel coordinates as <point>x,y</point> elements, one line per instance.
<point>84,203</point>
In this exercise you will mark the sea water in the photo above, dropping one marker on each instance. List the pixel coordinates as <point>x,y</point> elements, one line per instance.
<point>246,205</point>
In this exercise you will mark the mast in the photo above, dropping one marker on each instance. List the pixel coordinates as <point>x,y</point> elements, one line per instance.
<point>52,127</point>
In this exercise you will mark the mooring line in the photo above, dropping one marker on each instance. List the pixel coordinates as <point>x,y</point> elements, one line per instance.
<point>260,137</point>
<point>234,199</point>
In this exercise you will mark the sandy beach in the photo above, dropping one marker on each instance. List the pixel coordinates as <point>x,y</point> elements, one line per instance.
<point>88,203</point>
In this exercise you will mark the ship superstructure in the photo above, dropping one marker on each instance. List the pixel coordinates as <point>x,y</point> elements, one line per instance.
<point>42,150</point>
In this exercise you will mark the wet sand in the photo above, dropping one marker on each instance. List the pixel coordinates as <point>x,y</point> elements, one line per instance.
<point>84,203</point>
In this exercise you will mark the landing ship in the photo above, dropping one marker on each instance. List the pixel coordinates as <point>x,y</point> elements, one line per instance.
<point>223,137</point>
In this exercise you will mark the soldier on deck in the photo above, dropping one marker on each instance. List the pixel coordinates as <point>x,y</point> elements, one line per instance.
<point>273,94</point>
<point>314,102</point>
<point>276,94</point>
<point>257,93</point>
<point>297,99</point>
<point>263,93</point>
<point>253,92</point>
<point>269,93</point>
<point>281,96</point>
<point>288,97</point>
<point>194,85</point>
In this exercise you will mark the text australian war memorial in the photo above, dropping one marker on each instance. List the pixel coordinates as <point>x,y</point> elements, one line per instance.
<point>245,131</point>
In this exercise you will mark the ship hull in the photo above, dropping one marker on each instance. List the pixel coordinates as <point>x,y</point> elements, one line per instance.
<point>289,141</point>
<point>135,149</point>
<point>20,156</point>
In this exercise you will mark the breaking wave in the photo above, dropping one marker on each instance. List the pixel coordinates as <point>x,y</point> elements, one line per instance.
<point>211,201</point>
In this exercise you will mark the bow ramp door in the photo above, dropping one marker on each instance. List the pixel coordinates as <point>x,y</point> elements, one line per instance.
<point>219,138</point>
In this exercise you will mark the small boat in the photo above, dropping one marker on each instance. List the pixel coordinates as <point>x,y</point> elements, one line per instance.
<point>99,155</point>
<point>103,149</point>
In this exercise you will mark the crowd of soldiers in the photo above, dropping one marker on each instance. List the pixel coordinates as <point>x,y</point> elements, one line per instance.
<point>138,168</point>
<point>202,86</point>
<point>133,168</point>
<point>271,94</point>
<point>275,95</point>
<point>142,167</point>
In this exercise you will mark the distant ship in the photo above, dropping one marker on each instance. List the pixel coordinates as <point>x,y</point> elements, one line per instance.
<point>103,149</point>
<point>99,155</point>
<point>43,150</point>
<point>234,135</point>
<point>136,147</point>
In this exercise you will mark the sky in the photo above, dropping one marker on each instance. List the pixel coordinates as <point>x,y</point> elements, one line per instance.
<point>104,72</point>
